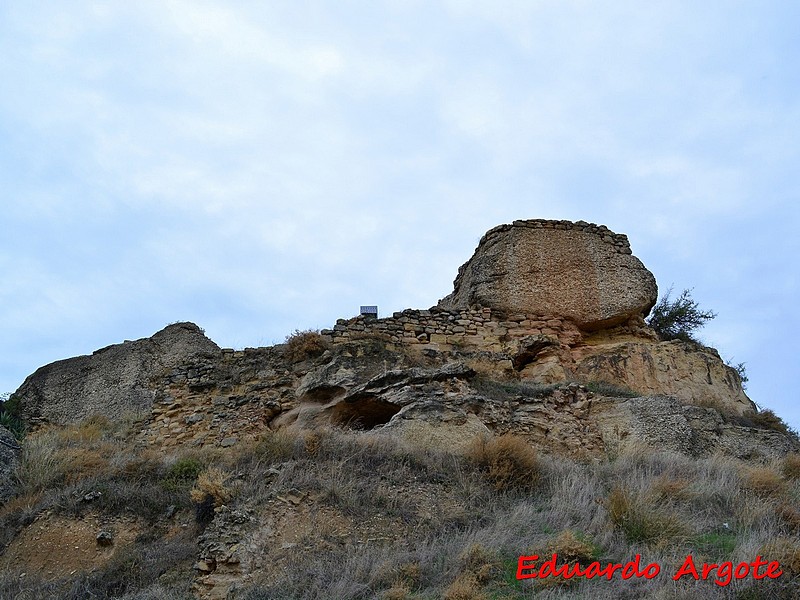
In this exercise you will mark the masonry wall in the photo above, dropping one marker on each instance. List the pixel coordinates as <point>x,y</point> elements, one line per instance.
<point>618,240</point>
<point>481,328</point>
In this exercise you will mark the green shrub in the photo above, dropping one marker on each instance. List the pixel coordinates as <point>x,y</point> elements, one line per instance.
<point>10,415</point>
<point>678,319</point>
<point>183,473</point>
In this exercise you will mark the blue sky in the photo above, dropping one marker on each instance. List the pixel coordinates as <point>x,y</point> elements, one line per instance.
<point>258,167</point>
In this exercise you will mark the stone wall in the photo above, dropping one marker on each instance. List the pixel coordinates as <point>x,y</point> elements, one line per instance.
<point>218,399</point>
<point>618,241</point>
<point>443,329</point>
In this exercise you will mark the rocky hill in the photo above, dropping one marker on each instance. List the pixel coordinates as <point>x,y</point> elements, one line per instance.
<point>543,338</point>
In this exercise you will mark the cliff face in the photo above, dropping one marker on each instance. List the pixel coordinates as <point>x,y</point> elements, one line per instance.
<point>559,353</point>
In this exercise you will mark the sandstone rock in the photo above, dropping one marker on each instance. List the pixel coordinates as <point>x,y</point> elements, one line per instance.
<point>113,381</point>
<point>692,373</point>
<point>9,455</point>
<point>664,423</point>
<point>431,424</point>
<point>559,268</point>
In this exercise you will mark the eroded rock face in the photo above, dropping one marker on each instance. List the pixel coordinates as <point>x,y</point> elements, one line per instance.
<point>581,271</point>
<point>665,423</point>
<point>9,454</point>
<point>111,382</point>
<point>690,372</point>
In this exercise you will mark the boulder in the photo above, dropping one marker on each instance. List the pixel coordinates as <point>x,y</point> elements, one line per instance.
<point>579,271</point>
<point>113,381</point>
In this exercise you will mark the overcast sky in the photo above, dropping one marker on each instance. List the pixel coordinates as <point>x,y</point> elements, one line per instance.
<point>260,167</point>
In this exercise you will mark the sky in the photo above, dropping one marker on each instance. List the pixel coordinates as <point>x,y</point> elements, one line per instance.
<point>261,167</point>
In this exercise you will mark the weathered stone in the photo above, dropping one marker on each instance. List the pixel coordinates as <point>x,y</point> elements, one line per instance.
<point>113,381</point>
<point>567,272</point>
<point>9,456</point>
<point>105,538</point>
<point>692,373</point>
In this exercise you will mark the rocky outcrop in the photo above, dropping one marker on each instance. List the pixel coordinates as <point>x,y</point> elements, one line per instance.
<point>543,337</point>
<point>9,455</point>
<point>690,372</point>
<point>113,381</point>
<point>580,271</point>
<point>665,423</point>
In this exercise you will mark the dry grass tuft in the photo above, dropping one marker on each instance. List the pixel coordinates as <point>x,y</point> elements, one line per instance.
<point>80,463</point>
<point>786,551</point>
<point>397,592</point>
<point>763,481</point>
<point>312,441</point>
<point>643,519</point>
<point>790,515</point>
<point>90,430</point>
<point>211,484</point>
<point>508,461</point>
<point>570,548</point>
<point>479,562</point>
<point>465,587</point>
<point>277,446</point>
<point>668,488</point>
<point>791,466</point>
<point>302,345</point>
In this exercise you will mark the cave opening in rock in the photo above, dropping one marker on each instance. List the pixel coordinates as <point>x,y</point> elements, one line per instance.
<point>364,413</point>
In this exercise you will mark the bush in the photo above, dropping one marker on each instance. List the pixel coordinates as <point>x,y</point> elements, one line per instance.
<point>9,415</point>
<point>508,462</point>
<point>642,519</point>
<point>678,319</point>
<point>791,466</point>
<point>182,473</point>
<point>302,345</point>
<point>209,493</point>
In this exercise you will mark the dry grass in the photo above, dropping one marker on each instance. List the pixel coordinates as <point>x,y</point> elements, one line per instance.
<point>211,484</point>
<point>791,466</point>
<point>465,587</point>
<point>786,550</point>
<point>508,461</point>
<point>643,518</point>
<point>764,481</point>
<point>385,520</point>
<point>571,548</point>
<point>302,345</point>
<point>90,430</point>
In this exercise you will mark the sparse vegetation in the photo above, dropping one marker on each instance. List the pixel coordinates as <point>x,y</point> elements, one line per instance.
<point>678,319</point>
<point>508,461</point>
<point>364,516</point>
<point>611,390</point>
<point>762,419</point>
<point>302,345</point>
